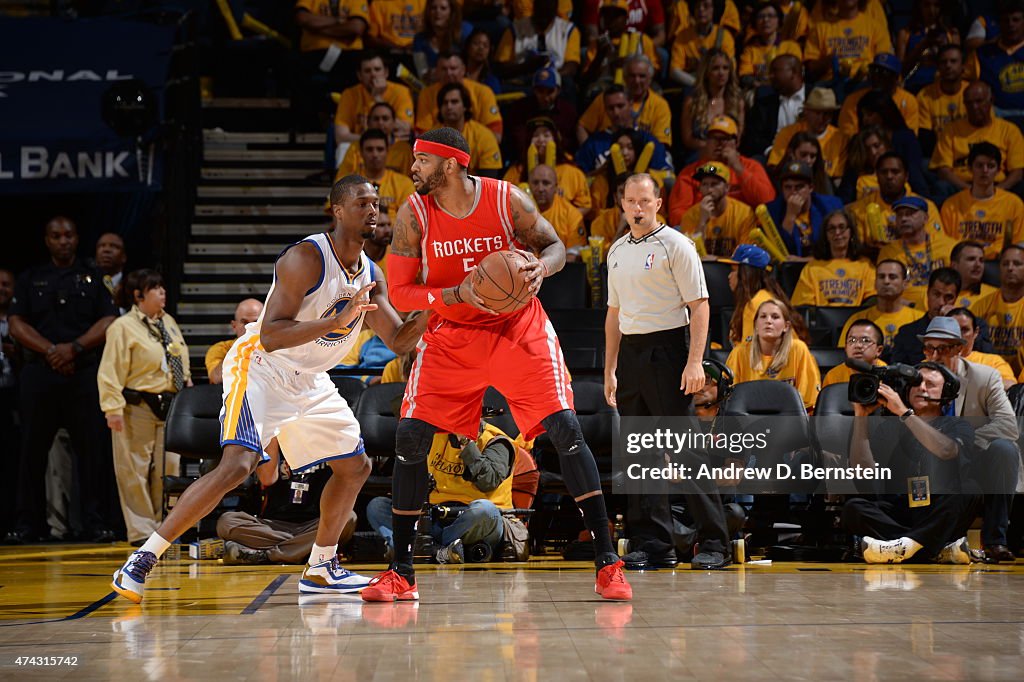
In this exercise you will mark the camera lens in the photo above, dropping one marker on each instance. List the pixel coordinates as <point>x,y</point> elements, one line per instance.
<point>479,553</point>
<point>863,389</point>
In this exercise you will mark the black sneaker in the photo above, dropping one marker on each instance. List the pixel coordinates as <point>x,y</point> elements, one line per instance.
<point>644,561</point>
<point>236,554</point>
<point>705,561</point>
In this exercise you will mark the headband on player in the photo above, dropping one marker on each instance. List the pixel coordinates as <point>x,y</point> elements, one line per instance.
<point>442,150</point>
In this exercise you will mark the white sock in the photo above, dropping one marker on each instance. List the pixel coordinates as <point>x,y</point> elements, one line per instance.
<point>155,544</point>
<point>322,554</point>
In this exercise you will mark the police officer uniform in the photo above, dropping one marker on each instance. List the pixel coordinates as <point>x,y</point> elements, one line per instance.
<point>62,304</point>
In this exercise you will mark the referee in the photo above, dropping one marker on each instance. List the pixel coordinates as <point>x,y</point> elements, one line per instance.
<point>656,289</point>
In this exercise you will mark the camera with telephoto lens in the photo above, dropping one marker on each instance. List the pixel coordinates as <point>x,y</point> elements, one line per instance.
<point>863,387</point>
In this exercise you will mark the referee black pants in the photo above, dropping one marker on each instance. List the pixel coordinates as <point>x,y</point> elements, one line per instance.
<point>650,367</point>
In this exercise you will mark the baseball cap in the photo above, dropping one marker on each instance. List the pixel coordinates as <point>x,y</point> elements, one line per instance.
<point>797,169</point>
<point>916,203</point>
<point>724,124</point>
<point>547,78</point>
<point>945,328</point>
<point>888,61</point>
<point>748,254</point>
<point>713,169</point>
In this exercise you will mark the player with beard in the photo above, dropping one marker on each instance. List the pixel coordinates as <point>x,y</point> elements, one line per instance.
<point>444,230</point>
<point>276,386</point>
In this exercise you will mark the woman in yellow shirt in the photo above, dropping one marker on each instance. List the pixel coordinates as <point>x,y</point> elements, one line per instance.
<point>775,353</point>
<point>753,283</point>
<point>839,275</point>
<point>145,362</point>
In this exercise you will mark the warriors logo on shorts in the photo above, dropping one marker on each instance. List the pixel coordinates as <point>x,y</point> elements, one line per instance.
<point>341,333</point>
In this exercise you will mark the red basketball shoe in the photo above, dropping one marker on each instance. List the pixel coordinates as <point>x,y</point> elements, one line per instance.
<point>390,586</point>
<point>611,583</point>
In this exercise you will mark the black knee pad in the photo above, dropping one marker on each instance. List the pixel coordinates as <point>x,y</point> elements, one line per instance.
<point>564,431</point>
<point>412,446</point>
<point>578,466</point>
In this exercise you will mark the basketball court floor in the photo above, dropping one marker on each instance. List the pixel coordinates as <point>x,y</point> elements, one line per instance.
<point>534,621</point>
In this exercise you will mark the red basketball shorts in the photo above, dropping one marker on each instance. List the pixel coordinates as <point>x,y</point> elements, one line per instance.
<point>456,363</point>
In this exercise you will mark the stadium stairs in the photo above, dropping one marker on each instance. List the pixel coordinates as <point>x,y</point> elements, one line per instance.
<point>253,200</point>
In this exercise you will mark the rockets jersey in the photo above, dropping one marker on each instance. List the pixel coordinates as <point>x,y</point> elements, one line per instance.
<point>451,246</point>
<point>335,288</point>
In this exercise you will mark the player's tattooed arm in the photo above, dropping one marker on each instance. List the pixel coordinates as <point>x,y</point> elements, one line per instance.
<point>405,233</point>
<point>533,230</point>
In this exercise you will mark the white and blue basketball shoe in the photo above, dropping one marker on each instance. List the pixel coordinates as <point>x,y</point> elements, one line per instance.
<point>329,577</point>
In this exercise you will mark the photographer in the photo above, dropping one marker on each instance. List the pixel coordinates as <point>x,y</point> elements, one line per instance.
<point>472,484</point>
<point>925,453</point>
<point>996,458</point>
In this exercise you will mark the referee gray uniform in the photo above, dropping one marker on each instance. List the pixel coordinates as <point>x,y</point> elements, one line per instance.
<point>650,280</point>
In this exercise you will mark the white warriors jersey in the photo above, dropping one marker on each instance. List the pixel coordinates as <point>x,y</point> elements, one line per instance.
<point>328,296</point>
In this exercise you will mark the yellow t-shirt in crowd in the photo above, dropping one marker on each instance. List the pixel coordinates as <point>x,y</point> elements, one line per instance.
<point>833,147</point>
<point>572,183</point>
<point>481,99</point>
<point>905,101</point>
<point>682,19</point>
<point>346,9</point>
<point>994,222</point>
<point>689,46</point>
<point>921,259</point>
<point>567,221</point>
<point>857,40</point>
<point>994,361</point>
<point>652,115</point>
<point>1005,325</point>
<point>216,354</point>
<point>967,299</point>
<point>723,233</point>
<point>355,103</point>
<point>392,373</point>
<point>889,323</point>
<point>399,159</point>
<point>750,310</point>
<point>397,21</point>
<point>800,28</point>
<point>936,109</point>
<point>607,224</point>
<point>800,370</point>
<point>859,211</point>
<point>506,51</point>
<point>755,58</point>
<point>837,282</point>
<point>840,374</point>
<point>956,139</point>
<point>484,153</point>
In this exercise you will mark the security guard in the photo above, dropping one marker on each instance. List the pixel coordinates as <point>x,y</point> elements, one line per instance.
<point>60,315</point>
<point>657,297</point>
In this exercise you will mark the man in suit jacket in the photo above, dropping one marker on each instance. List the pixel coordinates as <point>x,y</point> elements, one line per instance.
<point>780,107</point>
<point>983,400</point>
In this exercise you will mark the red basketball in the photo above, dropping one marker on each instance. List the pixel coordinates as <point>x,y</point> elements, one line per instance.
<point>500,282</point>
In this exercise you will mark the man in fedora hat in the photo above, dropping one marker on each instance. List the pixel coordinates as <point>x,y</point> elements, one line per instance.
<point>818,114</point>
<point>982,399</point>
